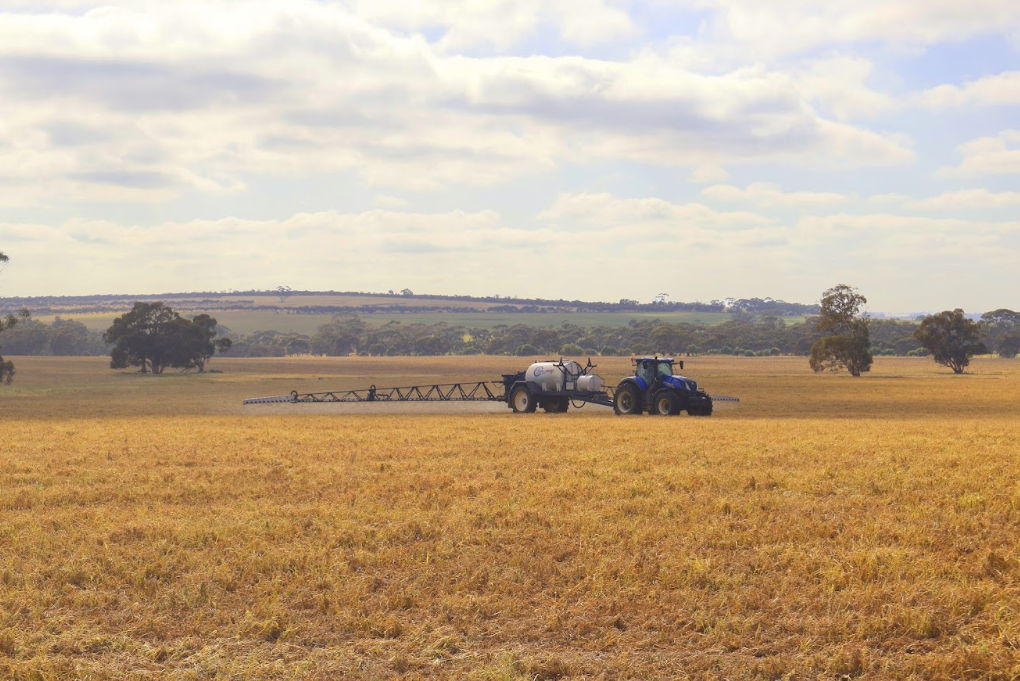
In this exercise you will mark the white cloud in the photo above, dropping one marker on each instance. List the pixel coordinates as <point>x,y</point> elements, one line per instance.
<point>839,85</point>
<point>308,249</point>
<point>891,199</point>
<point>330,249</point>
<point>967,199</point>
<point>973,248</point>
<point>691,250</point>
<point>501,24</point>
<point>889,224</point>
<point>855,145</point>
<point>765,194</point>
<point>740,250</point>
<point>703,174</point>
<point>387,201</point>
<point>790,26</point>
<point>187,96</point>
<point>606,211</point>
<point>128,101</point>
<point>998,155</point>
<point>311,249</point>
<point>996,90</point>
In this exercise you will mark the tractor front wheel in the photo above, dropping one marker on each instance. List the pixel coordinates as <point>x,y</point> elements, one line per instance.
<point>627,400</point>
<point>666,403</point>
<point>702,409</point>
<point>522,401</point>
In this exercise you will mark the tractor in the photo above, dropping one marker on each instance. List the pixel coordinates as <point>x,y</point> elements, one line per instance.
<point>656,389</point>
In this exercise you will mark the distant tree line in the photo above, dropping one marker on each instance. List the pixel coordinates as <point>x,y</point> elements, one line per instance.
<point>60,337</point>
<point>849,344</point>
<point>743,334</point>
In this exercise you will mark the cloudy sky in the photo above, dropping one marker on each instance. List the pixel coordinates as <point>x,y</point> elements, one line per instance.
<point>593,149</point>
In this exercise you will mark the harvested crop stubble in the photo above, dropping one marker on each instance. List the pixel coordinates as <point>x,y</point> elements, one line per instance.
<point>826,527</point>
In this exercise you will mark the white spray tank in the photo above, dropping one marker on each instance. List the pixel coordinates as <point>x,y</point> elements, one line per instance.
<point>565,374</point>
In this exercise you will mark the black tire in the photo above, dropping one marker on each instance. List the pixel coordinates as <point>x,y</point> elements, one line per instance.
<point>627,400</point>
<point>702,408</point>
<point>555,405</point>
<point>522,401</point>
<point>665,403</point>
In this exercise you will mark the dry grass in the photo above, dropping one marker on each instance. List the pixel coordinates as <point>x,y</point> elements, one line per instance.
<point>825,528</point>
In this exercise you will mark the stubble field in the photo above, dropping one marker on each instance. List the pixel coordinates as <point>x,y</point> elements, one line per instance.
<point>826,527</point>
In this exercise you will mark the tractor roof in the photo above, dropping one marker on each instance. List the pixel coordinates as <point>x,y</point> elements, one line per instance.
<point>653,359</point>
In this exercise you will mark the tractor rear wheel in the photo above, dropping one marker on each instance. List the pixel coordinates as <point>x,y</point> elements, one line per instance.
<point>555,405</point>
<point>627,400</point>
<point>522,401</point>
<point>666,403</point>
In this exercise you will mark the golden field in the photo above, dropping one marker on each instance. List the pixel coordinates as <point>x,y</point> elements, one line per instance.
<point>826,527</point>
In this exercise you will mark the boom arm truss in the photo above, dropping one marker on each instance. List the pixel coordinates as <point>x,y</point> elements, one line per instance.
<point>481,391</point>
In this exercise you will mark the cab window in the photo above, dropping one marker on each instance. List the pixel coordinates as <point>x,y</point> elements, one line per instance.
<point>646,372</point>
<point>665,369</point>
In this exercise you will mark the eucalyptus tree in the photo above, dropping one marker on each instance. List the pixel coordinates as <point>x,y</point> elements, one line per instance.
<point>951,338</point>
<point>845,343</point>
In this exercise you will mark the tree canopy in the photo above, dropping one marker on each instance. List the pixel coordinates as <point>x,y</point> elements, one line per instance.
<point>1001,331</point>
<point>6,368</point>
<point>205,344</point>
<point>153,337</point>
<point>951,338</point>
<point>846,341</point>
<point>8,322</point>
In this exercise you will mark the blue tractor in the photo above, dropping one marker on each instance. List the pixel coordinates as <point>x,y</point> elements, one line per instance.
<point>656,389</point>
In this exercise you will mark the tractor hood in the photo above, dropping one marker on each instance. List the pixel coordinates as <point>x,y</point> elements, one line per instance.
<point>680,383</point>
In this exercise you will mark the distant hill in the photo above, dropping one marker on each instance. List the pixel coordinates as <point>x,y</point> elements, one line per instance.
<point>332,302</point>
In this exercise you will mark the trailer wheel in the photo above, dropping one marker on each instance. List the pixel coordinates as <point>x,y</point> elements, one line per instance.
<point>522,401</point>
<point>555,405</point>
<point>666,403</point>
<point>627,400</point>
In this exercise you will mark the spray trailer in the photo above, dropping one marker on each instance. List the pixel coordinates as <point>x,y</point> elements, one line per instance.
<point>553,385</point>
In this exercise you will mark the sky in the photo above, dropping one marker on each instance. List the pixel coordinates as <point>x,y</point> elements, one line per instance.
<point>577,149</point>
